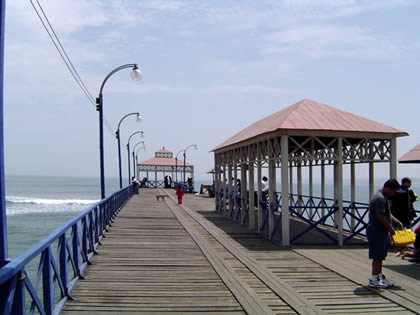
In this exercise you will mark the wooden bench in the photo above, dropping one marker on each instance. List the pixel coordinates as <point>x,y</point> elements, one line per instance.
<point>161,197</point>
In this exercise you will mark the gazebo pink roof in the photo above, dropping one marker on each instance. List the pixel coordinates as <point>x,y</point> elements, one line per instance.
<point>412,156</point>
<point>309,115</point>
<point>160,161</point>
<point>163,150</point>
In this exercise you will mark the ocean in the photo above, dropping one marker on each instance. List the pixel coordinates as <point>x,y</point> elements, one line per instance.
<point>37,205</point>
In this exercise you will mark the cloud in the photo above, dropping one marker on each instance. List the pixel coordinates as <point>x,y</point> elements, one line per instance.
<point>334,40</point>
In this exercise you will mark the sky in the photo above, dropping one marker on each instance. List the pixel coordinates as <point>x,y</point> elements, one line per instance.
<point>211,68</point>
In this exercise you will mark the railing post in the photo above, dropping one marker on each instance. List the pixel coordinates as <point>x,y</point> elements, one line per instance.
<point>63,262</point>
<point>19,299</point>
<point>47,282</point>
<point>75,245</point>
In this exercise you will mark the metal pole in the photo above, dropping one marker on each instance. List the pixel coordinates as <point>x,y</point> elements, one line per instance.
<point>99,108</point>
<point>128,155</point>
<point>185,154</point>
<point>176,171</point>
<point>3,226</point>
<point>119,157</point>
<point>134,166</point>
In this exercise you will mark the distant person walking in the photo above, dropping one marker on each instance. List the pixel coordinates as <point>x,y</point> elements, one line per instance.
<point>180,194</point>
<point>379,227</point>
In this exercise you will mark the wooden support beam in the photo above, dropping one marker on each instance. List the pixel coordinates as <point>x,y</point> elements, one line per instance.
<point>299,186</point>
<point>230,191</point>
<point>393,159</point>
<point>259,183</point>
<point>244,200</point>
<point>353,191</point>
<point>285,191</point>
<point>251,207</point>
<point>323,185</point>
<point>339,182</point>
<point>371,180</point>
<point>225,197</point>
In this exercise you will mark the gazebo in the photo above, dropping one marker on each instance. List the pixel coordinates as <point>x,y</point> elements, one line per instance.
<point>306,134</point>
<point>161,165</point>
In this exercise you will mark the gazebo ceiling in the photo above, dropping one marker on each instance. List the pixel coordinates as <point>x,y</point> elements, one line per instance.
<point>412,156</point>
<point>318,119</point>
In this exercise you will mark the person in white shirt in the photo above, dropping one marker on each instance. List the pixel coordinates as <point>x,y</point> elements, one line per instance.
<point>264,188</point>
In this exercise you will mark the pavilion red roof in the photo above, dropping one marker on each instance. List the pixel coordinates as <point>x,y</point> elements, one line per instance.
<point>412,156</point>
<point>163,150</point>
<point>161,161</point>
<point>310,115</point>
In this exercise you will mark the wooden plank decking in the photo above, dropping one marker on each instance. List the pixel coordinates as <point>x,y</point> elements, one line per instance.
<point>162,258</point>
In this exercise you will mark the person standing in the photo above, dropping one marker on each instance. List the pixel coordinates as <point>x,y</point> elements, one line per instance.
<point>412,198</point>
<point>180,194</point>
<point>264,190</point>
<point>380,226</point>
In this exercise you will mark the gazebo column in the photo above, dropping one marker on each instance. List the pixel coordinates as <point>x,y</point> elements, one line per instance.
<point>371,180</point>
<point>323,187</point>
<point>393,159</point>
<point>291,185</point>
<point>251,199</point>
<point>156,181</point>
<point>216,183</point>
<point>271,193</point>
<point>224,198</point>
<point>259,184</point>
<point>299,187</point>
<point>311,189</point>
<point>338,184</point>
<point>230,190</point>
<point>235,189</point>
<point>353,192</point>
<point>285,190</point>
<point>244,199</point>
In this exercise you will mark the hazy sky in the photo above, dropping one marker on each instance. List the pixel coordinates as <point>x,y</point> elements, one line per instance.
<point>210,69</point>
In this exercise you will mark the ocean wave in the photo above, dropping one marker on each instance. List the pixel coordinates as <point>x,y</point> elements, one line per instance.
<point>44,201</point>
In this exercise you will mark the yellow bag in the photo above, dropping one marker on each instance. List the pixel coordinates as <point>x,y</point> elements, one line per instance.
<point>403,237</point>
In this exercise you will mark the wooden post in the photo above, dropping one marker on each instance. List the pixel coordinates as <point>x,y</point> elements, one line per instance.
<point>371,180</point>
<point>235,188</point>
<point>224,190</point>
<point>156,180</point>
<point>216,184</point>
<point>272,188</point>
<point>353,192</point>
<point>244,200</point>
<point>291,185</point>
<point>311,188</point>
<point>285,190</point>
<point>323,186</point>
<point>251,206</point>
<point>230,191</point>
<point>393,159</point>
<point>340,190</point>
<point>259,183</point>
<point>299,186</point>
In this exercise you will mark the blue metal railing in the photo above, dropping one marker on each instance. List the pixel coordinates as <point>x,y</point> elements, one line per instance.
<point>318,213</point>
<point>75,242</point>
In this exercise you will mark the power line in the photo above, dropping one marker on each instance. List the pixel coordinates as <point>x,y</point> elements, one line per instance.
<point>65,57</point>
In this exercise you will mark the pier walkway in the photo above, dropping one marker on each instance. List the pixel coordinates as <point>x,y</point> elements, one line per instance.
<point>163,258</point>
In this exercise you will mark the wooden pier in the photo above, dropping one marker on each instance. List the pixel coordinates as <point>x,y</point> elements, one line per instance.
<point>159,257</point>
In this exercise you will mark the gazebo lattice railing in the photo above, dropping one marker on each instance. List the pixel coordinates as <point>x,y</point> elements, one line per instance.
<point>316,219</point>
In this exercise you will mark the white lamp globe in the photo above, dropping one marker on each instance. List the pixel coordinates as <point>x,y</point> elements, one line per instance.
<point>136,74</point>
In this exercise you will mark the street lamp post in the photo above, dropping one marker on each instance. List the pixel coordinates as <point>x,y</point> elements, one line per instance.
<point>117,134</point>
<point>134,161</point>
<point>185,156</point>
<point>128,152</point>
<point>135,75</point>
<point>176,166</point>
<point>137,161</point>
<point>3,225</point>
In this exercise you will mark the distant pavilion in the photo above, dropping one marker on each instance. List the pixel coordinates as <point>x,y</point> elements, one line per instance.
<point>161,165</point>
<point>306,134</point>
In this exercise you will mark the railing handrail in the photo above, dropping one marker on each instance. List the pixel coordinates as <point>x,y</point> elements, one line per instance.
<point>20,261</point>
<point>101,212</point>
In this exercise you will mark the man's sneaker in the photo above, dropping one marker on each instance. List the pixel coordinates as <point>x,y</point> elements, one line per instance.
<point>376,282</point>
<point>384,280</point>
